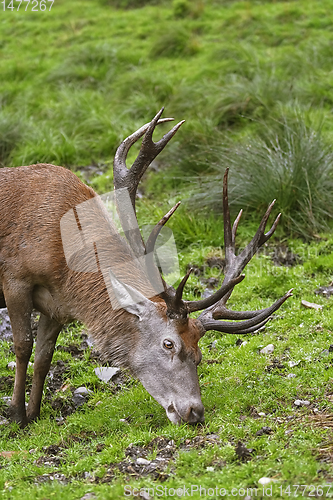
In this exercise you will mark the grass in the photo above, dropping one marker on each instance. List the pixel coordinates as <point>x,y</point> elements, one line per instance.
<point>236,381</point>
<point>290,162</point>
<point>77,80</point>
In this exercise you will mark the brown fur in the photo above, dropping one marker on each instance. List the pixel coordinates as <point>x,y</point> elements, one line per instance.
<point>34,273</point>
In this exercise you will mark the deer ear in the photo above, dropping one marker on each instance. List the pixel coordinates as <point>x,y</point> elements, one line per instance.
<point>129,298</point>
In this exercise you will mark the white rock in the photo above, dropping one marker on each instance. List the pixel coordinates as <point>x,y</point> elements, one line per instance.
<point>82,390</point>
<point>291,375</point>
<point>301,402</point>
<point>210,469</point>
<point>268,349</point>
<point>311,305</point>
<point>265,480</point>
<point>142,461</point>
<point>243,343</point>
<point>106,373</point>
<point>262,414</point>
<point>293,363</point>
<point>11,365</point>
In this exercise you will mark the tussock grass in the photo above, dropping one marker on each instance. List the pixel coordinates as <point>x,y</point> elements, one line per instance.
<point>291,163</point>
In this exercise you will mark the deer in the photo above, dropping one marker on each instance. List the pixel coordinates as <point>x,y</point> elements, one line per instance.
<point>153,336</point>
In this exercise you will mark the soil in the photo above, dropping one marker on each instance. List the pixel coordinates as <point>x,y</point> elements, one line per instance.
<point>282,256</point>
<point>156,459</point>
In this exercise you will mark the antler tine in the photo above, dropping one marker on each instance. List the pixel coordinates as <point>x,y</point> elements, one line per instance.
<point>180,288</point>
<point>149,249</point>
<point>235,225</point>
<point>229,242</point>
<point>130,178</point>
<point>150,244</point>
<point>119,162</point>
<point>243,326</point>
<point>198,305</point>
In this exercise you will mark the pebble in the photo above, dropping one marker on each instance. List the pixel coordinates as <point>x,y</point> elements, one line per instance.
<point>106,373</point>
<point>311,305</point>
<point>142,461</point>
<point>293,363</point>
<point>82,390</point>
<point>262,414</point>
<point>265,480</point>
<point>268,349</point>
<point>11,365</point>
<point>301,402</point>
<point>210,469</point>
<point>291,375</point>
<point>88,496</point>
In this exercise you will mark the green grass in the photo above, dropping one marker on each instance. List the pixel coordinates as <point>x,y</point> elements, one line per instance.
<point>234,388</point>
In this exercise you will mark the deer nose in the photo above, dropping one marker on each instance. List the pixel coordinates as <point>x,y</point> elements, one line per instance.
<point>196,414</point>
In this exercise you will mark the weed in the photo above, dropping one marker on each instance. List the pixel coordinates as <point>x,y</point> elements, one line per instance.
<point>291,163</point>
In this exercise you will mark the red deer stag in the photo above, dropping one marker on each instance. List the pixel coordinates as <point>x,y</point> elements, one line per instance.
<point>153,336</point>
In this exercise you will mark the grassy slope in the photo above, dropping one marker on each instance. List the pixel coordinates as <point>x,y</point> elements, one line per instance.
<point>74,82</point>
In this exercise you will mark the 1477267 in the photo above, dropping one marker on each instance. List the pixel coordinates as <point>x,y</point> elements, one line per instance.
<point>32,5</point>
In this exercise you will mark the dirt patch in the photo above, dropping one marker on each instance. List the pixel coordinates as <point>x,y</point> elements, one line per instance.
<point>326,291</point>
<point>283,256</point>
<point>6,329</point>
<point>156,459</point>
<point>6,383</point>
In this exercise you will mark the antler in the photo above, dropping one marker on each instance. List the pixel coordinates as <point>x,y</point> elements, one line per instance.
<point>234,265</point>
<point>214,306</point>
<point>130,178</point>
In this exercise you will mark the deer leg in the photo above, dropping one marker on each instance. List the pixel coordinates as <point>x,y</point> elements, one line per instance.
<point>19,304</point>
<point>47,334</point>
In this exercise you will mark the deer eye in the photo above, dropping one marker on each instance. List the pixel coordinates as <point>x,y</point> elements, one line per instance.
<point>168,344</point>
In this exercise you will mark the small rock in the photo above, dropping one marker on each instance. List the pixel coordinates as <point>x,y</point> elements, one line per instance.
<point>268,349</point>
<point>265,480</point>
<point>262,414</point>
<point>264,430</point>
<point>212,345</point>
<point>83,391</point>
<point>142,461</point>
<point>79,400</point>
<point>210,469</point>
<point>293,363</point>
<point>11,365</point>
<point>315,410</point>
<point>88,496</point>
<point>301,402</point>
<point>326,291</point>
<point>291,375</point>
<point>243,343</point>
<point>106,373</point>
<point>311,305</point>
